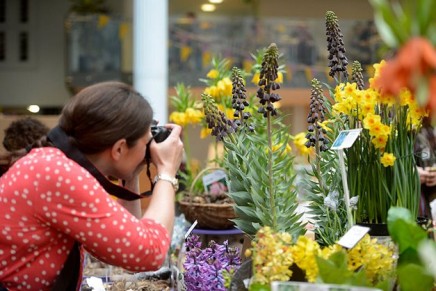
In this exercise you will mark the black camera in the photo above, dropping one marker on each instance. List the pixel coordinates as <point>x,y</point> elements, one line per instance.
<point>160,133</point>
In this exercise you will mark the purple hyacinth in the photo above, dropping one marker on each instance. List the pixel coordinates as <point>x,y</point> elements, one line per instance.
<point>204,267</point>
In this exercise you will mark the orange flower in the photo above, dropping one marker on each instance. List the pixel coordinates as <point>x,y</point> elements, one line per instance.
<point>416,60</point>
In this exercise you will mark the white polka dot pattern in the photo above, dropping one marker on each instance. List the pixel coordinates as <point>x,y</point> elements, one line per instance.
<point>46,202</point>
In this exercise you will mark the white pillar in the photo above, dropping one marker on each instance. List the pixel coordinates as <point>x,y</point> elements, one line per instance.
<point>150,54</point>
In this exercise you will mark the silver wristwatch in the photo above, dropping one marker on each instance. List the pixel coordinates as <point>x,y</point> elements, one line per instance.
<point>174,181</point>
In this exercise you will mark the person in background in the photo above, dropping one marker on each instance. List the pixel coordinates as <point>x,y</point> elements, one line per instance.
<point>425,152</point>
<point>52,208</point>
<point>23,132</point>
<point>20,134</point>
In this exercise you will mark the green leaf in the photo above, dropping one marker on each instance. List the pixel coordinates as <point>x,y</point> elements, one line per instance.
<point>259,287</point>
<point>240,197</point>
<point>404,231</point>
<point>412,277</point>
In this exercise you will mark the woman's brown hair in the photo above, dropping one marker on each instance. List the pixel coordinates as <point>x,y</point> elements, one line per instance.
<point>103,113</point>
<point>98,116</point>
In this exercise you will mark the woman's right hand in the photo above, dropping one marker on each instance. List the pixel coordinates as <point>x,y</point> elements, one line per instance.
<point>168,154</point>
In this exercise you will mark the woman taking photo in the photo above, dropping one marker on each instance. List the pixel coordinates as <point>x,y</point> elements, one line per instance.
<point>54,202</point>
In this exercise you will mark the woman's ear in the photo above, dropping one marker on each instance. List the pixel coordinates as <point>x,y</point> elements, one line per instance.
<point>118,149</point>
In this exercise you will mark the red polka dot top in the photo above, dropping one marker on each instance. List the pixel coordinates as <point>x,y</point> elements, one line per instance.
<point>48,201</point>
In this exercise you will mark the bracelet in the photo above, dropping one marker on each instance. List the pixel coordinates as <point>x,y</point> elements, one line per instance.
<point>174,181</point>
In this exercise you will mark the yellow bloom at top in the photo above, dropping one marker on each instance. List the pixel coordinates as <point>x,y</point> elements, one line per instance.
<point>406,98</point>
<point>379,129</point>
<point>212,91</point>
<point>387,99</point>
<point>388,159</point>
<point>324,125</point>
<point>350,89</point>
<point>194,116</point>
<point>300,144</point>
<point>225,87</point>
<point>178,118</point>
<point>213,74</point>
<point>370,95</point>
<point>279,77</point>
<point>380,141</point>
<point>190,116</point>
<point>370,120</point>
<point>205,132</point>
<point>256,78</point>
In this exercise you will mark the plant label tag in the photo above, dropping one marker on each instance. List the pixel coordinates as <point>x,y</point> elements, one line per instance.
<point>353,236</point>
<point>191,229</point>
<point>346,138</point>
<point>216,182</point>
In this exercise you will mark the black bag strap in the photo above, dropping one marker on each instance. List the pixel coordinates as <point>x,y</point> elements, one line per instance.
<point>68,278</point>
<point>61,140</point>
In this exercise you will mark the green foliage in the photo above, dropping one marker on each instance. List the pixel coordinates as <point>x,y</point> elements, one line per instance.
<point>398,21</point>
<point>335,271</point>
<point>247,163</point>
<point>412,272</point>
<point>330,224</point>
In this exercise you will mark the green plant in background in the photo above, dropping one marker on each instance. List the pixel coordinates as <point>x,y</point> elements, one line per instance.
<point>382,171</point>
<point>259,163</point>
<point>417,253</point>
<point>409,28</point>
<point>187,111</point>
<point>325,191</point>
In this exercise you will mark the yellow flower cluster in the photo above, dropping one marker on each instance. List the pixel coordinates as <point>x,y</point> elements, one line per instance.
<point>376,258</point>
<point>369,107</point>
<point>222,89</point>
<point>190,116</point>
<point>272,256</point>
<point>274,253</point>
<point>305,252</point>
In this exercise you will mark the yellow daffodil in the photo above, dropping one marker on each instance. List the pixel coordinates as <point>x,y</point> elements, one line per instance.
<point>388,160</point>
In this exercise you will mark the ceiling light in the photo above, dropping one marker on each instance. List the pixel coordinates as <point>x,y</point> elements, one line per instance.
<point>208,7</point>
<point>216,1</point>
<point>33,108</point>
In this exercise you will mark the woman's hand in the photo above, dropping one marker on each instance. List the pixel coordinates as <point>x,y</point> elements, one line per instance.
<point>423,174</point>
<point>168,154</point>
<point>431,178</point>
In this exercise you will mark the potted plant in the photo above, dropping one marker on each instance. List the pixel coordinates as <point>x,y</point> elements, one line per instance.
<point>209,205</point>
<point>257,153</point>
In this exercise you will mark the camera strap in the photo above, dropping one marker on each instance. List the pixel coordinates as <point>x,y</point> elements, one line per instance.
<point>61,141</point>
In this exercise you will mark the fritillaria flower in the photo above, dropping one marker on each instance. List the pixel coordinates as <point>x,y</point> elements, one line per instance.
<point>239,99</point>
<point>335,45</point>
<point>357,76</point>
<point>316,133</point>
<point>267,82</point>
<point>216,120</point>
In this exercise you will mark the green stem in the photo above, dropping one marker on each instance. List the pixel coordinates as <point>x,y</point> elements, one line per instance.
<point>270,171</point>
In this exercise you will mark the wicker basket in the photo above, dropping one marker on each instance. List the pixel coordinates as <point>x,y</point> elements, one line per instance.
<point>208,215</point>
